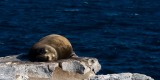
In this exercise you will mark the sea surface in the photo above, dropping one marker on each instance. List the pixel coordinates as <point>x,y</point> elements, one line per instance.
<point>123,34</point>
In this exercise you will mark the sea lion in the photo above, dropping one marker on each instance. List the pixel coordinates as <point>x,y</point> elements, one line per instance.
<point>51,48</point>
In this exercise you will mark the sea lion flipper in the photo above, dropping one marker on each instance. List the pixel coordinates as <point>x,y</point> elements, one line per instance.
<point>73,55</point>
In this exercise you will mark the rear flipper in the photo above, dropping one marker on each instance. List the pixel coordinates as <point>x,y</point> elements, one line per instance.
<point>73,55</point>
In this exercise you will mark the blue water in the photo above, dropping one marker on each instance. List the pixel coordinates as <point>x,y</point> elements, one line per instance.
<point>123,34</point>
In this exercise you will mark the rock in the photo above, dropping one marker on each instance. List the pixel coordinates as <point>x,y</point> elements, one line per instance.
<point>75,66</point>
<point>122,76</point>
<point>17,67</point>
<point>137,76</point>
<point>81,66</point>
<point>26,70</point>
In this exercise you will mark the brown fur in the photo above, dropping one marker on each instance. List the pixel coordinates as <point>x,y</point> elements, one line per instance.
<point>51,48</point>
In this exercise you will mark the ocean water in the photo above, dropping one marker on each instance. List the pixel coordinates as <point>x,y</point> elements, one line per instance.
<point>123,34</point>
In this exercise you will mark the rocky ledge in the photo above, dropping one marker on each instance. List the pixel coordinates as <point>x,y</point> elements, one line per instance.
<point>17,67</point>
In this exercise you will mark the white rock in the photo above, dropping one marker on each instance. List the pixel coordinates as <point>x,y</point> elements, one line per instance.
<point>75,66</point>
<point>81,66</point>
<point>137,76</point>
<point>122,76</point>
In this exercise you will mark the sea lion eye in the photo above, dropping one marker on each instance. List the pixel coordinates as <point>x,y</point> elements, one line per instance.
<point>41,51</point>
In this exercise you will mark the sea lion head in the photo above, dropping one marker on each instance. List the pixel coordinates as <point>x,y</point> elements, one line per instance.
<point>43,53</point>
